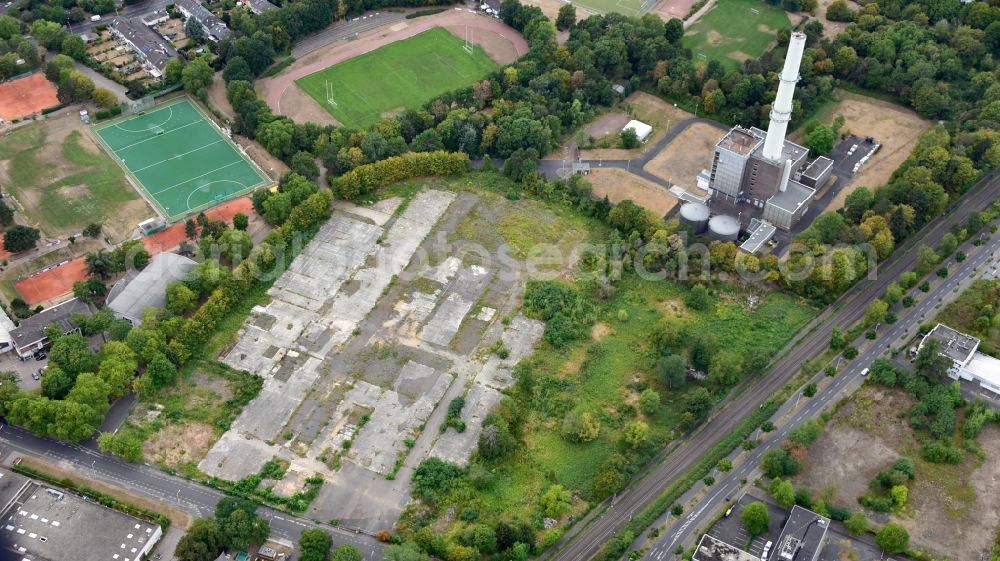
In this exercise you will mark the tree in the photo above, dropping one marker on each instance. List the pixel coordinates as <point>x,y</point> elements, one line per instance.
<point>672,371</point>
<point>776,462</point>
<point>277,137</point>
<point>173,72</point>
<point>229,505</point>
<point>124,444</point>
<point>698,298</point>
<point>202,542</point>
<point>104,97</point>
<point>566,18</point>
<point>649,401</point>
<point>611,476</point>
<point>241,221</point>
<point>93,230</point>
<point>857,524</point>
<point>72,354</point>
<point>180,298</point>
<point>876,312</point>
<point>635,434</point>
<point>194,31</point>
<point>756,518</point>
<point>698,402</point>
<point>240,530</point>
<point>196,75</point>
<point>556,501</point>
<point>819,140</point>
<point>580,425</point>
<point>893,538</point>
<point>20,238</point>
<point>277,208</point>
<point>726,368</point>
<point>304,164</point>
<point>673,30</point>
<point>74,47</point>
<point>630,138</point>
<point>160,370</point>
<point>346,552</point>
<point>56,383</point>
<point>783,492</point>
<point>930,362</point>
<point>837,340</point>
<point>838,10</point>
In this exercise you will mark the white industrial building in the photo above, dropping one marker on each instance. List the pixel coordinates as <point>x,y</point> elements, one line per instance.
<point>967,363</point>
<point>642,130</point>
<point>758,173</point>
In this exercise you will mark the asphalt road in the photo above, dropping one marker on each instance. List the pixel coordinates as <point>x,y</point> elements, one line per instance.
<point>587,538</point>
<point>170,490</point>
<point>846,382</point>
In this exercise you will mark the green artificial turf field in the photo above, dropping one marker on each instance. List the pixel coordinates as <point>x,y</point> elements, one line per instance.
<point>734,31</point>
<point>179,158</point>
<point>401,75</point>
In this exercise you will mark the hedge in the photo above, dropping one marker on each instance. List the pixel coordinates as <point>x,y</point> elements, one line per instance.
<point>366,178</point>
<point>108,113</point>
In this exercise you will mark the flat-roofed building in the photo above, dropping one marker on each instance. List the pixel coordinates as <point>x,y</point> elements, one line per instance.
<point>967,363</point>
<point>43,523</point>
<point>711,549</point>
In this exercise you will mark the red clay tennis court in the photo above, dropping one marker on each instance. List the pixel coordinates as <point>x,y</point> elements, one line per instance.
<point>52,284</point>
<point>26,96</point>
<point>58,282</point>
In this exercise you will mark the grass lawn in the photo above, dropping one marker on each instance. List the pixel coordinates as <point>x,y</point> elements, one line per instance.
<point>398,76</point>
<point>732,32</point>
<point>64,182</point>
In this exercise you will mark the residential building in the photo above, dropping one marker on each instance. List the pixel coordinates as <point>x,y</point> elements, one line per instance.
<point>29,335</point>
<point>145,43</point>
<point>260,6</point>
<point>216,29</point>
<point>6,328</point>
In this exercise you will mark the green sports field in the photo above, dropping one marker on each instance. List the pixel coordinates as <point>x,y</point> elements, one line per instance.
<point>401,75</point>
<point>734,31</point>
<point>179,158</point>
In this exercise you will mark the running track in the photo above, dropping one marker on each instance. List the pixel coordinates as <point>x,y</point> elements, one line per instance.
<point>275,87</point>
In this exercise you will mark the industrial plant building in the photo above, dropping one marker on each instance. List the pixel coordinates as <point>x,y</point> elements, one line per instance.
<point>967,363</point>
<point>758,178</point>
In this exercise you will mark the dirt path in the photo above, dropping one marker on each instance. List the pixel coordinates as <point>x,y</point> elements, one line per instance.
<point>277,91</point>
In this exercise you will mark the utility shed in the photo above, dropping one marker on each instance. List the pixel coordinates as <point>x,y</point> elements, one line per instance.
<point>147,288</point>
<point>642,130</point>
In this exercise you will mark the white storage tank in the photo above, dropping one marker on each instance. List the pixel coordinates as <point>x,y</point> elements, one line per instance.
<point>696,216</point>
<point>724,228</point>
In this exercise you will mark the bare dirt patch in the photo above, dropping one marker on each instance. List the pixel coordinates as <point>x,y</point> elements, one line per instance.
<point>684,158</point>
<point>498,47</point>
<point>607,124</point>
<point>298,105</point>
<point>619,185</point>
<point>648,108</point>
<point>178,444</point>
<point>217,95</point>
<point>600,331</point>
<point>951,506</point>
<point>551,9</point>
<point>668,9</point>
<point>831,28</point>
<point>894,127</point>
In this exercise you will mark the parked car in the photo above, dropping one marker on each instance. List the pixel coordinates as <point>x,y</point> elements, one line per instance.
<point>41,355</point>
<point>36,376</point>
<point>864,372</point>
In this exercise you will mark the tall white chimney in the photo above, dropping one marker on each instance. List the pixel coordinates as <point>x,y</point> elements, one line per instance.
<point>781,109</point>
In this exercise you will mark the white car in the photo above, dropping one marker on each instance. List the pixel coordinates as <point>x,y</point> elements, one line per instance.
<point>864,372</point>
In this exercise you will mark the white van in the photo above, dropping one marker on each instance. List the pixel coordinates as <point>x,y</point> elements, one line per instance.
<point>95,17</point>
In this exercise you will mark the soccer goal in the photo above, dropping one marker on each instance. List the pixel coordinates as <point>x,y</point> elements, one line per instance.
<point>329,94</point>
<point>470,45</point>
<point>755,11</point>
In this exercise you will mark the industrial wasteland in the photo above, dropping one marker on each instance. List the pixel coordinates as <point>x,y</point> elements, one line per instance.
<point>499,280</point>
